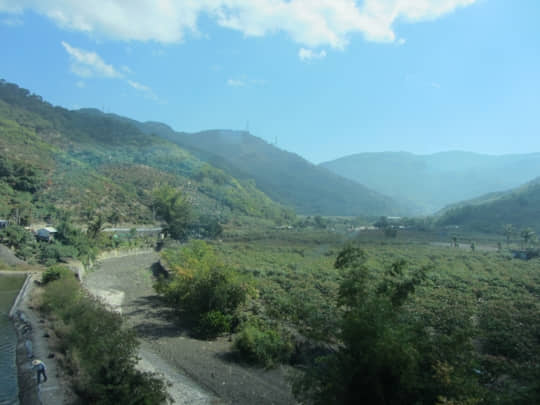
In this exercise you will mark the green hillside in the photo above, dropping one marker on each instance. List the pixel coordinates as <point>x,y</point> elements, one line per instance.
<point>519,207</point>
<point>85,161</point>
<point>284,176</point>
<point>431,182</point>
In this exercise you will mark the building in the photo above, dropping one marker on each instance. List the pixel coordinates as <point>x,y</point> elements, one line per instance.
<point>46,234</point>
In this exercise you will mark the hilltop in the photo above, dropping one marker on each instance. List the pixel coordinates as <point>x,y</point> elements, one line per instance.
<point>519,207</point>
<point>286,177</point>
<point>83,162</point>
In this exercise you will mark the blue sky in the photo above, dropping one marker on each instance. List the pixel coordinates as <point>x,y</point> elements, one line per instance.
<point>325,78</point>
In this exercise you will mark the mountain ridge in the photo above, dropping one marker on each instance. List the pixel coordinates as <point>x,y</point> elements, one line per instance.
<point>431,182</point>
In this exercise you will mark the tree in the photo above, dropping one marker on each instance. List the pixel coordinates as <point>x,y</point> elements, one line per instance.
<point>384,354</point>
<point>527,235</point>
<point>171,205</point>
<point>508,231</point>
<point>95,227</point>
<point>114,218</point>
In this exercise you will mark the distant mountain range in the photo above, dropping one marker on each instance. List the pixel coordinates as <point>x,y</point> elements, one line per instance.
<point>430,182</point>
<point>519,207</point>
<point>86,160</point>
<point>285,177</point>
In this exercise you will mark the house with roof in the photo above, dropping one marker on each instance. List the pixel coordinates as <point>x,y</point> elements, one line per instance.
<point>46,234</point>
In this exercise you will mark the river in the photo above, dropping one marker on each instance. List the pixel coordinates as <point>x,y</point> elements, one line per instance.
<point>9,287</point>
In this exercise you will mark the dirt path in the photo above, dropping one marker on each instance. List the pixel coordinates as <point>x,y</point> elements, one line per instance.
<point>33,332</point>
<point>201,371</point>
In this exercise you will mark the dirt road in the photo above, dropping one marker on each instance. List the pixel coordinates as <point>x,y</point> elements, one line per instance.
<point>202,372</point>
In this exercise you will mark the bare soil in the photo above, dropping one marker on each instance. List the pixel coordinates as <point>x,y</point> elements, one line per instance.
<point>202,372</point>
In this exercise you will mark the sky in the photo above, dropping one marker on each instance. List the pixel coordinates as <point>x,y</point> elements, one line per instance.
<point>320,78</point>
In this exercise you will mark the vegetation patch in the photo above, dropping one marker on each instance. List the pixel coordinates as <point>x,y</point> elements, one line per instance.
<point>99,352</point>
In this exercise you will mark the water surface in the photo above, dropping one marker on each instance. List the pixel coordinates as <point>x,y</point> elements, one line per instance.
<point>9,287</point>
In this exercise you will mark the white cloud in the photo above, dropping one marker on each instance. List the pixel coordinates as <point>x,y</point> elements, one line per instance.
<point>312,23</point>
<point>246,82</point>
<point>89,64</point>
<point>138,86</point>
<point>147,91</point>
<point>236,83</point>
<point>307,55</point>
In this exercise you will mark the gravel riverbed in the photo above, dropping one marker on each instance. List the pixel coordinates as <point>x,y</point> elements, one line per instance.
<point>201,372</point>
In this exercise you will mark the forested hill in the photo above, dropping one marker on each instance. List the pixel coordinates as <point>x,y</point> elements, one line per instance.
<point>431,182</point>
<point>86,162</point>
<point>519,207</point>
<point>284,176</point>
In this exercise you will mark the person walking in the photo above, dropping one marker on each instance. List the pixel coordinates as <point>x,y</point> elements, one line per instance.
<point>41,370</point>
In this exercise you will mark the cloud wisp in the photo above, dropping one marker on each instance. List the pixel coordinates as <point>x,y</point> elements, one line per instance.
<point>307,55</point>
<point>88,64</point>
<point>236,83</point>
<point>310,23</point>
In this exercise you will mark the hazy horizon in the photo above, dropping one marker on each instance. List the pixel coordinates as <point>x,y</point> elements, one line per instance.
<point>320,79</point>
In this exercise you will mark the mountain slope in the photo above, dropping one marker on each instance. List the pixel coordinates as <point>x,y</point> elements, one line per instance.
<point>85,160</point>
<point>431,182</point>
<point>284,176</point>
<point>519,207</point>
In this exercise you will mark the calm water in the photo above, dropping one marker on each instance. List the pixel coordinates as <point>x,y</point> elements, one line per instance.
<point>9,287</point>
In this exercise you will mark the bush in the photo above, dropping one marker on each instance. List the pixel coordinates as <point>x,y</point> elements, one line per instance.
<point>100,352</point>
<point>203,288</point>
<point>55,273</point>
<point>213,324</point>
<point>260,344</point>
<point>51,253</point>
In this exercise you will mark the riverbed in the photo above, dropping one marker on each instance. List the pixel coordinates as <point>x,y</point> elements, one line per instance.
<point>9,287</point>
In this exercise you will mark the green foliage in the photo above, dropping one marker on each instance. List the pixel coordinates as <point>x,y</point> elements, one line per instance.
<point>385,356</point>
<point>213,323</point>
<point>16,236</point>
<point>172,206</point>
<point>259,343</point>
<point>54,273</point>
<point>20,176</point>
<point>51,253</point>
<point>83,247</point>
<point>203,288</point>
<point>100,351</point>
<point>493,212</point>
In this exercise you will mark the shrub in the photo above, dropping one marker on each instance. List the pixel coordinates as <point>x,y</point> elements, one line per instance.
<point>203,288</point>
<point>260,344</point>
<point>213,324</point>
<point>55,273</point>
<point>100,351</point>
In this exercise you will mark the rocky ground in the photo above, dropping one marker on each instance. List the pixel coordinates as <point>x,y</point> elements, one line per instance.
<point>201,372</point>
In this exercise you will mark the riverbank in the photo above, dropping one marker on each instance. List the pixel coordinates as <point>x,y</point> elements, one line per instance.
<point>36,340</point>
<point>202,371</point>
